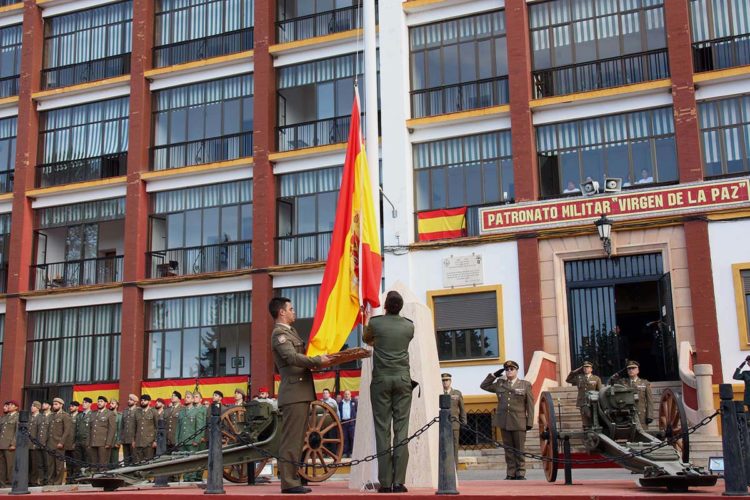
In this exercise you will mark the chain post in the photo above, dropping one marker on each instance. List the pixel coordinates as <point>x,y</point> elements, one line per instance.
<point>446,458</point>
<point>568,464</point>
<point>161,449</point>
<point>742,429</point>
<point>215,484</point>
<point>21,466</point>
<point>735,483</point>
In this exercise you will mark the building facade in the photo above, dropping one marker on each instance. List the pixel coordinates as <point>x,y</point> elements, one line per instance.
<point>169,166</point>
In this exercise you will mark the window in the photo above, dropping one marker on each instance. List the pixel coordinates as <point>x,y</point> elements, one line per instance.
<point>741,275</point>
<point>75,345</point>
<point>306,209</point>
<point>8,127</point>
<point>204,336</point>
<point>202,229</point>
<point>459,64</point>
<point>10,59</point>
<point>91,211</point>
<point>470,171</point>
<point>468,323</point>
<point>201,29</point>
<point>301,19</point>
<point>203,123</point>
<point>84,142</point>
<point>580,45</point>
<point>637,147</point>
<point>4,246</point>
<point>88,45</point>
<point>725,136</point>
<point>721,33</point>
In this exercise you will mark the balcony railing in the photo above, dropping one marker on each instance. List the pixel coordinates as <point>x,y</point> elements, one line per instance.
<point>459,97</point>
<point>84,169</point>
<point>203,48</point>
<point>318,24</point>
<point>89,71</point>
<point>78,272</point>
<point>228,256</point>
<point>303,248</point>
<point>215,149</point>
<point>721,53</point>
<point>6,181</point>
<point>314,133</point>
<point>9,86</point>
<point>604,73</point>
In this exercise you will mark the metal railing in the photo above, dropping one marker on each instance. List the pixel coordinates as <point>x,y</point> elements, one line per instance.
<point>80,272</point>
<point>318,24</point>
<point>6,181</point>
<point>89,71</point>
<point>600,74</point>
<point>302,248</point>
<point>478,426</point>
<point>9,86</point>
<point>84,169</point>
<point>214,149</point>
<point>721,53</point>
<point>460,97</point>
<point>228,256</point>
<point>203,48</point>
<point>313,133</point>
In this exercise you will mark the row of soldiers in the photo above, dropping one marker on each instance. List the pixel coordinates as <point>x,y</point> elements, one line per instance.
<point>94,437</point>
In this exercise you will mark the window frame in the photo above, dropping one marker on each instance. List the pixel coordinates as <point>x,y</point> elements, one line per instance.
<point>16,48</point>
<point>741,299</point>
<point>744,141</point>
<point>498,290</point>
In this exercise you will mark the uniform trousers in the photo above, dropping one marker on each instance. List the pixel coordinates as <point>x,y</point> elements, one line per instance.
<point>456,434</point>
<point>293,427</point>
<point>390,396</point>
<point>72,468</point>
<point>348,428</point>
<point>586,416</point>
<point>196,476</point>
<point>7,462</point>
<point>57,470</point>
<point>143,453</point>
<point>37,471</point>
<point>101,454</point>
<point>114,455</point>
<point>127,453</point>
<point>515,463</point>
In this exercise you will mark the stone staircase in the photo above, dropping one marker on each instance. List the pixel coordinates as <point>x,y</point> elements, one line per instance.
<point>569,419</point>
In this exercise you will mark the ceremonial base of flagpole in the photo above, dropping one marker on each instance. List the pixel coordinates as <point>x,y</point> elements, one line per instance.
<point>422,471</point>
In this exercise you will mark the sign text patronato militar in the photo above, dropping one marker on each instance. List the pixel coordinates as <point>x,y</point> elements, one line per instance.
<point>633,203</point>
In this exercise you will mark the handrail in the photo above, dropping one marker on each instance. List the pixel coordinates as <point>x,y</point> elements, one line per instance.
<point>290,248</point>
<point>462,96</point>
<point>208,150</point>
<point>720,53</point>
<point>317,24</point>
<point>82,169</point>
<point>88,71</point>
<point>78,272</point>
<point>203,48</point>
<point>227,256</point>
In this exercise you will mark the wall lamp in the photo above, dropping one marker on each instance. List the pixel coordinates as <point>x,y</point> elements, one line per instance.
<point>604,227</point>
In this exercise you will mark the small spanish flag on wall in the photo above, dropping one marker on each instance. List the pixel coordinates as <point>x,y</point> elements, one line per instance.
<point>441,224</point>
<point>93,391</point>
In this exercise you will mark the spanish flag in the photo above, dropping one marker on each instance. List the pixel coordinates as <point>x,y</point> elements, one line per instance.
<point>441,224</point>
<point>206,386</point>
<point>93,391</point>
<point>352,275</point>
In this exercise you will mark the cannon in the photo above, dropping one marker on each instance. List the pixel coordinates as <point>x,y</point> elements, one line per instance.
<point>616,433</point>
<point>250,438</point>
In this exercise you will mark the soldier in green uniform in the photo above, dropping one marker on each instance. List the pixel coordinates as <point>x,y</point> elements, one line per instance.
<point>82,432</point>
<point>35,457</point>
<point>60,438</point>
<point>515,414</point>
<point>583,378</point>
<point>114,456</point>
<point>191,419</point>
<point>642,386</point>
<point>295,392</point>
<point>103,429</point>
<point>8,429</point>
<point>73,469</point>
<point>458,412</point>
<point>127,429</point>
<point>146,423</point>
<point>390,390</point>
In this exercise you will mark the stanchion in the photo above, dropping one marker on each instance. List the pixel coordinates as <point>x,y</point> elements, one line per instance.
<point>215,484</point>
<point>735,483</point>
<point>739,408</point>
<point>161,448</point>
<point>446,458</point>
<point>20,484</point>
<point>568,465</point>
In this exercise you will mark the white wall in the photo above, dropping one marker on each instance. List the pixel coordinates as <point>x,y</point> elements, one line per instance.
<point>112,237</point>
<point>730,244</point>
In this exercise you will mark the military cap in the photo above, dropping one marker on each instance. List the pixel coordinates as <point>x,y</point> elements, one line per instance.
<point>145,397</point>
<point>632,364</point>
<point>509,363</point>
<point>177,393</point>
<point>74,403</point>
<point>221,394</point>
<point>12,402</point>
<point>88,400</point>
<point>263,389</point>
<point>587,363</point>
<point>133,397</point>
<point>37,404</point>
<point>240,391</point>
<point>160,400</point>
<point>445,376</point>
<point>188,392</point>
<point>102,398</point>
<point>59,400</point>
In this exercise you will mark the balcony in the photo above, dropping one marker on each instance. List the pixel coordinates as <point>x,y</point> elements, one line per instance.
<point>85,169</point>
<point>319,24</point>
<point>229,256</point>
<point>81,272</point>
<point>216,149</point>
<point>601,74</point>
<point>303,248</point>
<point>89,71</point>
<point>721,53</point>
<point>314,133</point>
<point>9,86</point>
<point>203,48</point>
<point>459,97</point>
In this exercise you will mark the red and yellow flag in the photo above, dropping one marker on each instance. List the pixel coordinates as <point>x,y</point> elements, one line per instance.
<point>441,224</point>
<point>353,269</point>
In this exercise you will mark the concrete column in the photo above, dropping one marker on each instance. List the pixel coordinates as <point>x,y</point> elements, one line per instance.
<point>704,388</point>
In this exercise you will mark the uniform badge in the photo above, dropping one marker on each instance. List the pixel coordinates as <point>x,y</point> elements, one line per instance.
<point>282,339</point>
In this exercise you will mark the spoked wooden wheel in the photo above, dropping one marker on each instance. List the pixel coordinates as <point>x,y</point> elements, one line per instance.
<point>673,421</point>
<point>324,440</point>
<point>548,443</point>
<point>231,426</point>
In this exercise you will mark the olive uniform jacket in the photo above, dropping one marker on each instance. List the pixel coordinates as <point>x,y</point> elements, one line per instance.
<point>171,420</point>
<point>127,425</point>
<point>579,379</point>
<point>645,402</point>
<point>60,431</point>
<point>44,423</point>
<point>457,409</point>
<point>103,428</point>
<point>515,404</point>
<point>146,423</point>
<point>82,428</point>
<point>293,366</point>
<point>35,421</point>
<point>190,420</point>
<point>390,336</point>
<point>8,428</point>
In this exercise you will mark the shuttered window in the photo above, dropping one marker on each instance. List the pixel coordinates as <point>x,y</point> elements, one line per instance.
<point>466,326</point>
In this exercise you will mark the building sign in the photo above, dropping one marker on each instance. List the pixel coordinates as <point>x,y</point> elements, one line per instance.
<point>640,203</point>
<point>462,271</point>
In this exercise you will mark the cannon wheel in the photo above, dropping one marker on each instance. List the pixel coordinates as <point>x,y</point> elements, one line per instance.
<point>320,443</point>
<point>548,443</point>
<point>236,473</point>
<point>673,421</point>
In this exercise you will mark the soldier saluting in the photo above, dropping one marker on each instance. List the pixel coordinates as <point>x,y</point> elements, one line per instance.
<point>515,414</point>
<point>583,378</point>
